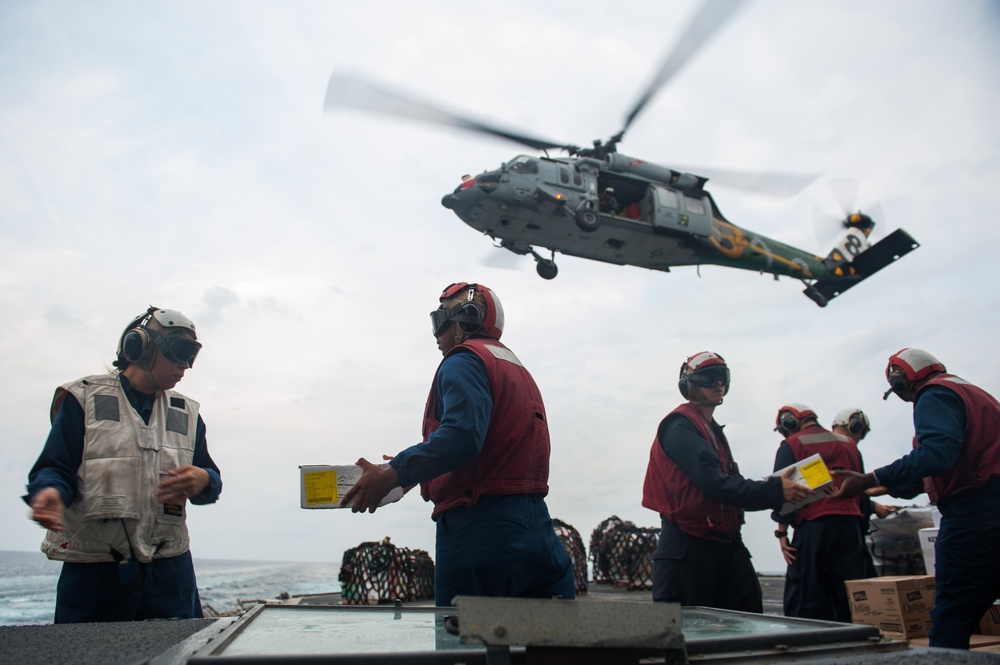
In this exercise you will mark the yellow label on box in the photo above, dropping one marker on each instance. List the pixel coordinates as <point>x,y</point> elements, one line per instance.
<point>815,473</point>
<point>321,487</point>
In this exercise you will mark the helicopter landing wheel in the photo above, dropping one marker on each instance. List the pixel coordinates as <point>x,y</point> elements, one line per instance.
<point>587,220</point>
<point>547,269</point>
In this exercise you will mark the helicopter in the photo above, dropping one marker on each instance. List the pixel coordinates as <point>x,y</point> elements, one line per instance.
<point>597,203</point>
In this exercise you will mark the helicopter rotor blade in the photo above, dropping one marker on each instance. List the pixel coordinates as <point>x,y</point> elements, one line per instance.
<point>777,185</point>
<point>845,193</point>
<point>711,16</point>
<point>827,226</point>
<point>347,91</point>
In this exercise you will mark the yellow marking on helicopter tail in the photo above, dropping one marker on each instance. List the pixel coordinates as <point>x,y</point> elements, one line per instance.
<point>740,243</point>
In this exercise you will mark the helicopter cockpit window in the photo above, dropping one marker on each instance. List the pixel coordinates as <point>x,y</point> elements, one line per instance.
<point>694,206</point>
<point>564,174</point>
<point>523,164</point>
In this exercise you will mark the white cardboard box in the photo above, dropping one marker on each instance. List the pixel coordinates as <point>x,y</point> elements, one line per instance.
<point>812,473</point>
<point>927,539</point>
<point>324,485</point>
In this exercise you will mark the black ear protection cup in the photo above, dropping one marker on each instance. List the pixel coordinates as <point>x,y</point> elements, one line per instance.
<point>682,382</point>
<point>857,424</point>
<point>470,310</point>
<point>135,341</point>
<point>789,424</point>
<point>135,344</point>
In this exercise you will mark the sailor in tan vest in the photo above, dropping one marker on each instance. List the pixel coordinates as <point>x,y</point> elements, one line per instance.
<point>125,455</point>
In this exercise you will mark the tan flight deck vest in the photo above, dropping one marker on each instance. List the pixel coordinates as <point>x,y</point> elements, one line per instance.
<point>124,461</point>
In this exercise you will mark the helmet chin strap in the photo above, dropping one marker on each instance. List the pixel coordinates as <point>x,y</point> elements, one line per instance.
<point>148,371</point>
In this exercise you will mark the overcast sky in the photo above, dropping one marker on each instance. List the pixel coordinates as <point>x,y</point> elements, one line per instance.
<point>178,154</point>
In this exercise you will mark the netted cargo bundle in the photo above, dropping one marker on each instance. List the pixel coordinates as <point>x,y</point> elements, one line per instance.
<point>374,573</point>
<point>623,553</point>
<point>895,541</point>
<point>570,538</point>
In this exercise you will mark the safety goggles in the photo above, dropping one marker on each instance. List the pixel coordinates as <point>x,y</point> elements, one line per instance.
<point>178,349</point>
<point>708,376</point>
<point>440,319</point>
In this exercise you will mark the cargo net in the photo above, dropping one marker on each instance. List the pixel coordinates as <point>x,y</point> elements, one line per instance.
<point>623,554</point>
<point>570,538</point>
<point>895,542</point>
<point>375,573</point>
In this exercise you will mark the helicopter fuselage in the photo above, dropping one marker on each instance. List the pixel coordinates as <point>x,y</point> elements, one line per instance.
<point>659,217</point>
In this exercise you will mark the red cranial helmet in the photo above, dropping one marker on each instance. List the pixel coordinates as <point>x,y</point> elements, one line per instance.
<point>703,369</point>
<point>915,364</point>
<point>479,311</point>
<point>906,367</point>
<point>790,418</point>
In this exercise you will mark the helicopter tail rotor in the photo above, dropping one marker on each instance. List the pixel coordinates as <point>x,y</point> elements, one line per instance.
<point>830,226</point>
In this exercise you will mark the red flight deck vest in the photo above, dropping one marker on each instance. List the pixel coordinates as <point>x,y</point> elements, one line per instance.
<point>514,458</point>
<point>980,457</point>
<point>838,452</point>
<point>671,492</point>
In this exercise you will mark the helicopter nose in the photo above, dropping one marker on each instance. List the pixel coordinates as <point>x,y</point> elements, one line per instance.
<point>449,201</point>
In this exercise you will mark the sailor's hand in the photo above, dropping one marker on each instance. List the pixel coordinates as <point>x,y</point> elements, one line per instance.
<point>182,483</point>
<point>881,510</point>
<point>787,551</point>
<point>791,490</point>
<point>375,483</point>
<point>854,484</point>
<point>47,508</point>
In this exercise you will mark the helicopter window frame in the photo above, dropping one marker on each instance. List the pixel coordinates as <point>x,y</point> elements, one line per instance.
<point>563,173</point>
<point>523,164</point>
<point>694,206</point>
<point>668,198</point>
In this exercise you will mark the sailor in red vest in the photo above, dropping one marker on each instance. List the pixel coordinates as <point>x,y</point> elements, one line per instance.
<point>827,547</point>
<point>695,485</point>
<point>956,460</point>
<point>483,462</point>
<point>854,423</point>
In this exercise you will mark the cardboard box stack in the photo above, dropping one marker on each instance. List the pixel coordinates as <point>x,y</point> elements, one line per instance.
<point>900,607</point>
<point>990,623</point>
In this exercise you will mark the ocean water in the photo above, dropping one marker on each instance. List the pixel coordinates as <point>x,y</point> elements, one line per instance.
<point>28,583</point>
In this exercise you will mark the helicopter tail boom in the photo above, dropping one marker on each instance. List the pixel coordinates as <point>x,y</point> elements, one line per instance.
<point>845,273</point>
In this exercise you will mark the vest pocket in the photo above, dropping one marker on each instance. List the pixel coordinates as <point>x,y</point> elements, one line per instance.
<point>108,488</point>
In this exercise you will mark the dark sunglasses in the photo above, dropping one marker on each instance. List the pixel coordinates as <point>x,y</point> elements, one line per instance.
<point>178,348</point>
<point>709,376</point>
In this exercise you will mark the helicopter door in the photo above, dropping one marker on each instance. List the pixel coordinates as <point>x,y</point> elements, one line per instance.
<point>674,212</point>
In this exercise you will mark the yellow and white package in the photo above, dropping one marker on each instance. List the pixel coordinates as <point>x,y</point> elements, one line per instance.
<point>324,485</point>
<point>812,473</point>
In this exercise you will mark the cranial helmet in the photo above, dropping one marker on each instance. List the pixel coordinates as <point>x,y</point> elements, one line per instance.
<point>703,369</point>
<point>479,311</point>
<point>166,330</point>
<point>854,420</point>
<point>906,367</point>
<point>790,418</point>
